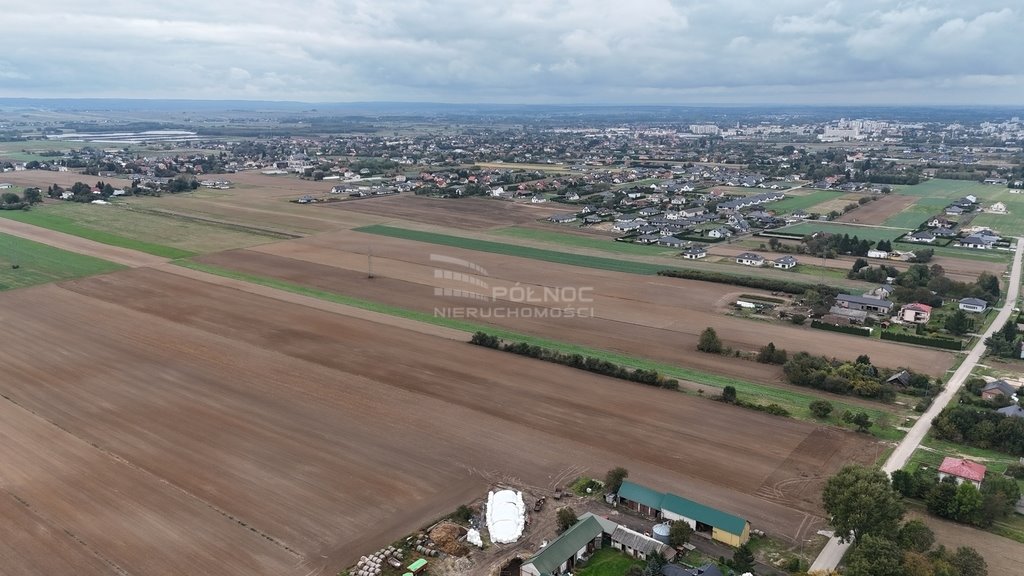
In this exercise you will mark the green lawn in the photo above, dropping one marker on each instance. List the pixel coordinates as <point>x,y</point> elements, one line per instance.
<point>949,189</point>
<point>597,243</point>
<point>921,210</point>
<point>515,250</point>
<point>47,219</point>
<point>608,562</point>
<point>794,203</point>
<point>38,263</point>
<point>794,401</point>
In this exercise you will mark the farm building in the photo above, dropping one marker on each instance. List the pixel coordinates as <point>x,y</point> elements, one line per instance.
<point>973,305</point>
<point>582,539</point>
<point>720,526</point>
<point>962,471</point>
<point>882,254</point>
<point>865,303</point>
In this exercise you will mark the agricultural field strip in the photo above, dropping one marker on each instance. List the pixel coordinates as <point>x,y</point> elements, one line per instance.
<point>149,289</point>
<point>461,330</point>
<point>25,262</point>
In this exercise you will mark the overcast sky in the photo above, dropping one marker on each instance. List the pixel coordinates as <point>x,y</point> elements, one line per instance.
<point>518,51</point>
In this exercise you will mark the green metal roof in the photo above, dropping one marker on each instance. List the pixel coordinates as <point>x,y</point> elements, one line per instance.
<point>417,565</point>
<point>703,514</point>
<point>563,547</point>
<point>682,506</point>
<point>641,494</point>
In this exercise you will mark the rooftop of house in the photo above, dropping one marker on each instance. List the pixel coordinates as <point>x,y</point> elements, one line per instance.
<point>962,468</point>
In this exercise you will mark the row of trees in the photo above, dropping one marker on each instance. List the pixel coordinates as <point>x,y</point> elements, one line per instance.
<point>926,284</point>
<point>11,200</point>
<point>864,506</point>
<point>859,378</point>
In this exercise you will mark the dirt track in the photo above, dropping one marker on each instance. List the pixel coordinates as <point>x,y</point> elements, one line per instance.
<point>281,436</point>
<point>654,317</point>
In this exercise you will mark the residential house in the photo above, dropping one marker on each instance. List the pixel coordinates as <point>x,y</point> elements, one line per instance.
<point>944,232</point>
<point>866,303</point>
<point>1012,411</point>
<point>977,241</point>
<point>750,259</point>
<point>592,219</point>
<point>916,312</point>
<point>671,241</point>
<point>997,208</point>
<point>784,262</point>
<point>922,236</point>
<point>939,221</point>
<point>648,238</point>
<point>972,305</point>
<point>719,233</point>
<point>999,389</point>
<point>562,218</point>
<point>695,253</point>
<point>962,470</point>
<point>639,546</point>
<point>954,210</point>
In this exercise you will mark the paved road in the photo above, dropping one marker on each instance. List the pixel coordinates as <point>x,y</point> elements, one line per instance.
<point>833,552</point>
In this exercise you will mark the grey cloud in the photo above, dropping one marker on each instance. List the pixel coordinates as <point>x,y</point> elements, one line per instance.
<point>656,51</point>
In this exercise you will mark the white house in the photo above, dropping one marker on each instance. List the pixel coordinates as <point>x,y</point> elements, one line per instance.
<point>997,208</point>
<point>719,233</point>
<point>881,254</point>
<point>694,253</point>
<point>750,259</point>
<point>784,262</point>
<point>962,471</point>
<point>972,305</point>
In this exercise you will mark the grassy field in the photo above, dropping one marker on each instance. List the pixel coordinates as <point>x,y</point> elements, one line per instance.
<point>863,232</point>
<point>794,401</point>
<point>515,250</point>
<point>597,243</point>
<point>949,189</point>
<point>119,225</point>
<point>794,203</point>
<point>38,263</point>
<point>912,216</point>
<point>45,219</point>
<point>608,562</point>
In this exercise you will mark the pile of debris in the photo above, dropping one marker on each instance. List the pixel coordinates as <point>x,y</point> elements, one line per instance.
<point>371,565</point>
<point>447,536</point>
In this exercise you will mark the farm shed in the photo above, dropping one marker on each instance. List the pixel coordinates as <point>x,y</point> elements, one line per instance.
<point>719,525</point>
<point>560,556</point>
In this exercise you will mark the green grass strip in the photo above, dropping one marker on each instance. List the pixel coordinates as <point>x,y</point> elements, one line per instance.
<point>613,264</point>
<point>795,402</point>
<point>69,226</point>
<point>40,263</point>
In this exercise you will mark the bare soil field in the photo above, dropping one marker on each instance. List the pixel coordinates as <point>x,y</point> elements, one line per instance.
<point>464,213</point>
<point>284,440</point>
<point>654,317</point>
<point>1003,556</point>
<point>878,211</point>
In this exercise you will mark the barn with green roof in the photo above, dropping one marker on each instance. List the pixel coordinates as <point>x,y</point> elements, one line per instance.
<point>721,526</point>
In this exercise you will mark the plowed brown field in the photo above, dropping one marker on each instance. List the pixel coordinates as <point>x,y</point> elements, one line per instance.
<point>156,424</point>
<point>654,317</point>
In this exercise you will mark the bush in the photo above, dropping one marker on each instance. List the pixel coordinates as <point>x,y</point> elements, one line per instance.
<point>729,394</point>
<point>1015,471</point>
<point>821,408</point>
<point>566,518</point>
<point>709,341</point>
<point>798,319</point>
<point>763,283</point>
<point>462,514</point>
<point>486,340</point>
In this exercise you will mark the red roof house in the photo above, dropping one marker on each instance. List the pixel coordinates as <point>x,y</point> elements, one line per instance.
<point>962,470</point>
